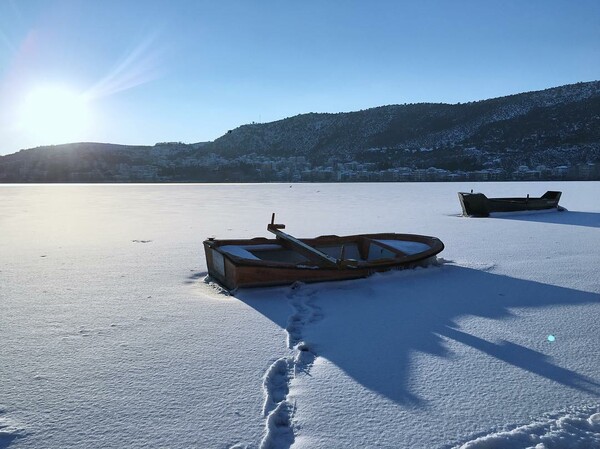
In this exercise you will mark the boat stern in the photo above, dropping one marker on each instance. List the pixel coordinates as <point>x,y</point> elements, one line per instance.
<point>551,198</point>
<point>219,268</point>
<point>474,204</point>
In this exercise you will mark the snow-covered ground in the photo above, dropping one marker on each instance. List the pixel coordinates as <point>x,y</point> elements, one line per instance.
<point>109,338</point>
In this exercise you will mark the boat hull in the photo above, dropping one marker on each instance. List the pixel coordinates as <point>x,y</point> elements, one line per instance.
<point>236,270</point>
<point>478,205</point>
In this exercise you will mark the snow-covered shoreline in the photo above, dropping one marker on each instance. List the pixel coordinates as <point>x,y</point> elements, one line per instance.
<point>109,337</point>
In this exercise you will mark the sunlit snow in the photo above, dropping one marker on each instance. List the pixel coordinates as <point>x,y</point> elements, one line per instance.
<point>109,343</point>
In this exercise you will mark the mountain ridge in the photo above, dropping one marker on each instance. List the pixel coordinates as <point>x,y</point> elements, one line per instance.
<point>550,128</point>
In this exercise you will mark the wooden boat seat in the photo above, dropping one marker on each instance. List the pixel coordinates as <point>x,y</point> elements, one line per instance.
<point>351,251</point>
<point>243,251</point>
<point>405,247</point>
<point>272,252</point>
<point>377,252</point>
<point>239,251</point>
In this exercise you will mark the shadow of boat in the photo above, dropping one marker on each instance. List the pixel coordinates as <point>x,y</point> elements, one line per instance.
<point>574,218</point>
<point>372,328</point>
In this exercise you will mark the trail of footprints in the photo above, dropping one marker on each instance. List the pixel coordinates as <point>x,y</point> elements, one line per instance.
<point>278,408</point>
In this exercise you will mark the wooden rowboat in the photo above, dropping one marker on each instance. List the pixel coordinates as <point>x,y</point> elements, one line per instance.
<point>479,205</point>
<point>286,259</point>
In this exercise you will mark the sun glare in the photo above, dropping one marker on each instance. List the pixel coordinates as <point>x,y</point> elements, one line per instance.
<point>55,114</point>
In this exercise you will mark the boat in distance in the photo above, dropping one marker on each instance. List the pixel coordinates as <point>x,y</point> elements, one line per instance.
<point>260,262</point>
<point>479,205</point>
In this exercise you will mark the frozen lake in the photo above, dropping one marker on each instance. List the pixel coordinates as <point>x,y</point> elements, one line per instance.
<point>109,338</point>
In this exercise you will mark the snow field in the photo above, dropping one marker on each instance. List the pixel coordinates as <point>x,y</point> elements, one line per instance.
<point>109,337</point>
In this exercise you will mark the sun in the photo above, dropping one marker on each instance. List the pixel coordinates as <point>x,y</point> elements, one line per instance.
<point>55,114</point>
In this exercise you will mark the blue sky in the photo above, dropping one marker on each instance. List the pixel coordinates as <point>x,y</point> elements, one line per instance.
<point>136,72</point>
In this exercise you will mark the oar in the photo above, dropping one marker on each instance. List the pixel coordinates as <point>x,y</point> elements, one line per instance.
<point>301,246</point>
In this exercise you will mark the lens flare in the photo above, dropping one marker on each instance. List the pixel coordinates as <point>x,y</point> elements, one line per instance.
<point>139,66</point>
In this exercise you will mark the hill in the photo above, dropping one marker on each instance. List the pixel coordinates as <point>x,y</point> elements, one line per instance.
<point>554,133</point>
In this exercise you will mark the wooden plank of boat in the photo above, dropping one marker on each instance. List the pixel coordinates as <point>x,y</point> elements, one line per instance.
<point>479,205</point>
<point>300,246</point>
<point>287,259</point>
